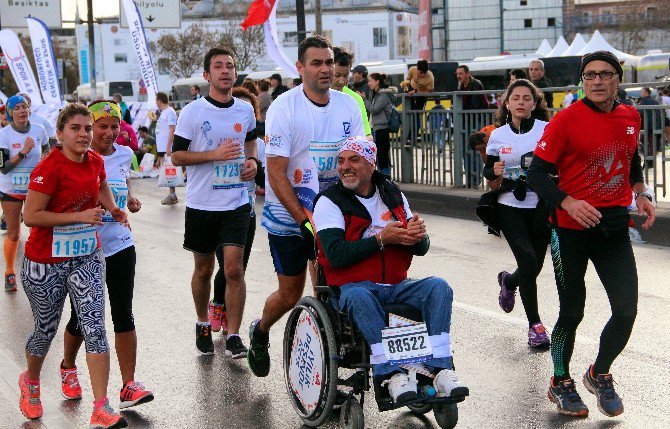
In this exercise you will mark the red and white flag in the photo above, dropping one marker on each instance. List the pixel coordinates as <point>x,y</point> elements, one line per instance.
<point>259,12</point>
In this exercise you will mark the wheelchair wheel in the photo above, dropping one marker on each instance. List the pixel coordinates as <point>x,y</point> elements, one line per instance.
<point>446,415</point>
<point>310,372</point>
<point>352,412</point>
<point>420,408</point>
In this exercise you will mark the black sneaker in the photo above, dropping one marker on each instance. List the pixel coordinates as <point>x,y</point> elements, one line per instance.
<point>566,398</point>
<point>203,339</point>
<point>609,402</point>
<point>258,357</point>
<point>234,347</point>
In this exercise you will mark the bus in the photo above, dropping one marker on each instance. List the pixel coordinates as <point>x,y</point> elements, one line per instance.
<point>129,90</point>
<point>653,67</point>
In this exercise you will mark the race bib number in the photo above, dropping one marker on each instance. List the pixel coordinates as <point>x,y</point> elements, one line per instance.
<point>407,344</point>
<point>226,174</point>
<point>513,173</point>
<point>120,191</point>
<point>20,180</point>
<point>73,240</point>
<point>325,155</point>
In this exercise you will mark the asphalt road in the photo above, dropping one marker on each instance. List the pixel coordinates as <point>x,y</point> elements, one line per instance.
<point>507,381</point>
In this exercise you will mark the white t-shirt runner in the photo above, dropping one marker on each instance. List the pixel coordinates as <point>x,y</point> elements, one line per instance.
<point>16,181</point>
<point>309,135</point>
<point>115,237</point>
<point>510,146</point>
<point>168,117</point>
<point>328,215</point>
<point>215,186</point>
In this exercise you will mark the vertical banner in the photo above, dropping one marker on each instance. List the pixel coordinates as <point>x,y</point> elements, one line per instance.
<point>425,36</point>
<point>141,48</point>
<point>19,65</point>
<point>274,48</point>
<point>45,61</point>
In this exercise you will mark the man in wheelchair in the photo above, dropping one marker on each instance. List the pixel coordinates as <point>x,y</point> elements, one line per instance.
<point>366,238</point>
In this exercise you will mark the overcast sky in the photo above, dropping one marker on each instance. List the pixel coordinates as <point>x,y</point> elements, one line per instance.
<point>100,8</point>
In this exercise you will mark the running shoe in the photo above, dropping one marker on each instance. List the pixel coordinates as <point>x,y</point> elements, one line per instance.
<point>134,393</point>
<point>564,395</point>
<point>609,402</point>
<point>258,357</point>
<point>401,387</point>
<point>446,383</point>
<point>214,314</point>
<point>10,283</point>
<point>506,296</point>
<point>203,339</point>
<point>234,347</point>
<point>537,336</point>
<point>70,387</point>
<point>29,401</point>
<point>106,418</point>
<point>170,200</point>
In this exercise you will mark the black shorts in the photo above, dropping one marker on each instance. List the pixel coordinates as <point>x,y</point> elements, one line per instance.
<point>290,254</point>
<point>207,230</point>
<point>9,198</point>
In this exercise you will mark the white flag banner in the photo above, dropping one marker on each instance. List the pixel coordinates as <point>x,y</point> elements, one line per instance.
<point>139,40</point>
<point>45,61</point>
<point>274,49</point>
<point>19,65</point>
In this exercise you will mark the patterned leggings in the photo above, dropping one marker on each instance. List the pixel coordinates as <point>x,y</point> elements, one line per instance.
<point>47,286</point>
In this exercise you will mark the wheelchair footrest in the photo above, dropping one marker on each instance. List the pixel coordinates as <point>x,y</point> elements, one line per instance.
<point>387,404</point>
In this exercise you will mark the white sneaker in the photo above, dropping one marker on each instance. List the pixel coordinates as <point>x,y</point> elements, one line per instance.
<point>401,387</point>
<point>446,384</point>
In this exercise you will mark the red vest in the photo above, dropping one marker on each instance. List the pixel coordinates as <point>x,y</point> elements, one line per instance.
<point>386,266</point>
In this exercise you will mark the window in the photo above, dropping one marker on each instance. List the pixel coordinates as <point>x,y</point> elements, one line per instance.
<point>527,23</point>
<point>290,38</point>
<point>120,58</point>
<point>119,42</point>
<point>551,22</point>
<point>523,2</point>
<point>379,37</point>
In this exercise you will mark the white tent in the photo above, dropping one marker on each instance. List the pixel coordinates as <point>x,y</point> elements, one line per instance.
<point>560,47</point>
<point>544,48</point>
<point>577,45</point>
<point>598,43</point>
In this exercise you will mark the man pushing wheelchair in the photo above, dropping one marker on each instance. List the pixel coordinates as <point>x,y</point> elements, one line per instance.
<point>366,238</point>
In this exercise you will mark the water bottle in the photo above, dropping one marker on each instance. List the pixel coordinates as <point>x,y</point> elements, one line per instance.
<point>428,391</point>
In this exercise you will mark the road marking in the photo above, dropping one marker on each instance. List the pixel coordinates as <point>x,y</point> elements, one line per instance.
<point>53,418</point>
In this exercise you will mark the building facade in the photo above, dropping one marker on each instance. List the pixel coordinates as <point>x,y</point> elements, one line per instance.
<point>463,30</point>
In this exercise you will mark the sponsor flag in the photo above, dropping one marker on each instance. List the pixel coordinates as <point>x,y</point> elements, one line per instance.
<point>139,40</point>
<point>259,12</point>
<point>19,65</point>
<point>274,48</point>
<point>45,61</point>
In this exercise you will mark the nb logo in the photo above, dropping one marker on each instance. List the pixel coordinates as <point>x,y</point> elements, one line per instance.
<point>630,130</point>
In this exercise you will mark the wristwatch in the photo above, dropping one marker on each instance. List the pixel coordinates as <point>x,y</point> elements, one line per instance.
<point>645,194</point>
<point>22,155</point>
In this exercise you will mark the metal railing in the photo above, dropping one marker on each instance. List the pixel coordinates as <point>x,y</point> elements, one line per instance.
<point>423,153</point>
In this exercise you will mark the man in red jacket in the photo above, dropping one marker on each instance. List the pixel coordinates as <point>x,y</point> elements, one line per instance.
<point>366,236</point>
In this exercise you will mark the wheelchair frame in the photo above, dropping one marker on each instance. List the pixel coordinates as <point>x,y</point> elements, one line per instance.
<point>345,347</point>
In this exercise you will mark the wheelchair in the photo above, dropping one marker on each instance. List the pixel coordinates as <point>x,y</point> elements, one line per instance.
<point>319,340</point>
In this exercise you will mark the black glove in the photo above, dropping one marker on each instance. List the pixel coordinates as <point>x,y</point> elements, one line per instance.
<point>520,188</point>
<point>307,232</point>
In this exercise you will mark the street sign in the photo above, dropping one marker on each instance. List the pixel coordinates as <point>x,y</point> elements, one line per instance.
<point>155,13</point>
<point>14,12</point>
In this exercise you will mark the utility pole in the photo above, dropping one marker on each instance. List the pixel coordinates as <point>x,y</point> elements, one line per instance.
<point>502,27</point>
<point>318,28</point>
<point>300,14</point>
<point>91,49</point>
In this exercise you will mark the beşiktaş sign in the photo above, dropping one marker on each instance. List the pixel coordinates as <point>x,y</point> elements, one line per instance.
<point>14,12</point>
<point>156,13</point>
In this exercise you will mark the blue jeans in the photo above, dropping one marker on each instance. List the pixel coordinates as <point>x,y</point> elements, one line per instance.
<point>363,303</point>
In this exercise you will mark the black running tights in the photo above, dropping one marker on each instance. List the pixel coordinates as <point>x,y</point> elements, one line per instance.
<point>529,249</point>
<point>612,256</point>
